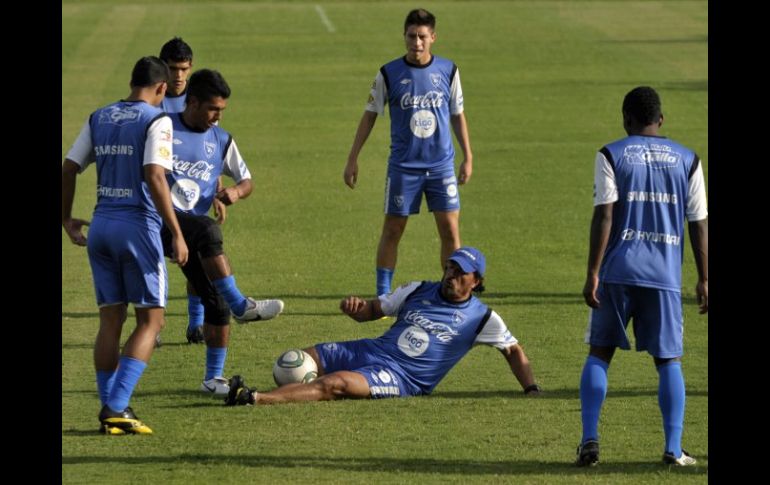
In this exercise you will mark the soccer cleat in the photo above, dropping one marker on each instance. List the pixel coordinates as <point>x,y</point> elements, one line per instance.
<point>684,460</point>
<point>588,453</point>
<point>125,422</point>
<point>259,310</point>
<point>216,386</point>
<point>195,335</point>
<point>239,394</point>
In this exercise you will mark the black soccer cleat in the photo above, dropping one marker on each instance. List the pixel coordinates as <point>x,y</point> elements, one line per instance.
<point>195,335</point>
<point>125,422</point>
<point>588,453</point>
<point>240,394</point>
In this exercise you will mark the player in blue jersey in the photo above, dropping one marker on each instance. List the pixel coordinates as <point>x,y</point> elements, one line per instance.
<point>202,152</point>
<point>437,323</point>
<point>645,185</point>
<point>424,97</point>
<point>131,143</point>
<point>179,57</point>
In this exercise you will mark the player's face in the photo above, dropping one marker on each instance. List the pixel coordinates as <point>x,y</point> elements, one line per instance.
<point>457,285</point>
<point>204,115</point>
<point>419,39</point>
<point>179,73</point>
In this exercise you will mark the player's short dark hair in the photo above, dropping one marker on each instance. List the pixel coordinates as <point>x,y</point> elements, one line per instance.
<point>176,50</point>
<point>642,106</point>
<point>148,71</point>
<point>480,287</point>
<point>420,16</point>
<point>206,84</point>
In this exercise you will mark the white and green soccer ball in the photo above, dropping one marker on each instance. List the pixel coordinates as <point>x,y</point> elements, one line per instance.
<point>294,365</point>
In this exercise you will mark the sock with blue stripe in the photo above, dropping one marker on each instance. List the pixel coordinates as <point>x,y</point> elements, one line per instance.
<point>104,381</point>
<point>593,389</point>
<point>232,295</point>
<point>215,362</point>
<point>384,279</point>
<point>671,398</point>
<point>194,312</point>
<point>128,374</point>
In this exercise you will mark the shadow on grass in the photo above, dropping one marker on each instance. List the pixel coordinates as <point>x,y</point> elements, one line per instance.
<point>389,465</point>
<point>551,394</point>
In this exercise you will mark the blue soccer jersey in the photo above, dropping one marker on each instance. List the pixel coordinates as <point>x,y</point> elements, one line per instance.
<point>174,104</point>
<point>121,139</point>
<point>420,100</point>
<point>654,183</point>
<point>431,334</point>
<point>200,157</point>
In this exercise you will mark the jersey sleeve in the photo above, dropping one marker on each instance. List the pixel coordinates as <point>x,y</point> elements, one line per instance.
<point>393,301</point>
<point>82,150</point>
<point>234,166</point>
<point>456,94</point>
<point>696,196</point>
<point>377,96</point>
<point>495,333</point>
<point>605,188</point>
<point>157,148</point>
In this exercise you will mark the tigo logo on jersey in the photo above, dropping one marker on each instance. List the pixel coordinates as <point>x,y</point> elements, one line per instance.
<point>423,123</point>
<point>185,194</point>
<point>413,341</point>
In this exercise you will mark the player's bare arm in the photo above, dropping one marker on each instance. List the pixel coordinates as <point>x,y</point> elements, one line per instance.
<point>365,127</point>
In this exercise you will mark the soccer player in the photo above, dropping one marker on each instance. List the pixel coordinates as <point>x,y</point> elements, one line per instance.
<point>131,142</point>
<point>644,187</point>
<point>424,97</point>
<point>437,323</point>
<point>202,152</point>
<point>179,57</point>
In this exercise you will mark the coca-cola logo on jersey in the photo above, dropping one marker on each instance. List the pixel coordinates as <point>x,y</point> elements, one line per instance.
<point>195,170</point>
<point>431,99</point>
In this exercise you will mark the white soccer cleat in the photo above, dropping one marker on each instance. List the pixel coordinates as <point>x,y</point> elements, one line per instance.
<point>259,310</point>
<point>684,460</point>
<point>216,386</point>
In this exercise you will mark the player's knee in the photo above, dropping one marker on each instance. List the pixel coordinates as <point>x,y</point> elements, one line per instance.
<point>210,240</point>
<point>333,386</point>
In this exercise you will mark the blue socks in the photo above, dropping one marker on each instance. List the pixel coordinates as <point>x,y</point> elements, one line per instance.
<point>671,399</point>
<point>226,287</point>
<point>215,362</point>
<point>593,389</point>
<point>195,312</point>
<point>104,381</point>
<point>384,278</point>
<point>128,374</point>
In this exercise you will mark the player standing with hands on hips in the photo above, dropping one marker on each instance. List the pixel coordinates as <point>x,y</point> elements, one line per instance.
<point>424,97</point>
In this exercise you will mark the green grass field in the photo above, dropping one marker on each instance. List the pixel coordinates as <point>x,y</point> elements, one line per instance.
<point>543,85</point>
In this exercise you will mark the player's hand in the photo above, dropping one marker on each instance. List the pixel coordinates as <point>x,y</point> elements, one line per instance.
<point>74,229</point>
<point>702,293</point>
<point>589,291</point>
<point>179,251</point>
<point>466,170</point>
<point>229,195</point>
<point>220,211</point>
<point>352,305</point>
<point>351,174</point>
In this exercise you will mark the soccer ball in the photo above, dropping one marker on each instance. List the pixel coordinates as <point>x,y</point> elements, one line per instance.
<point>294,365</point>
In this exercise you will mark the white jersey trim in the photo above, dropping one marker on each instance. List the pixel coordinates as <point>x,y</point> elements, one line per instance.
<point>456,94</point>
<point>605,188</point>
<point>393,301</point>
<point>696,196</point>
<point>377,95</point>
<point>495,333</point>
<point>234,166</point>
<point>81,151</point>
<point>158,146</point>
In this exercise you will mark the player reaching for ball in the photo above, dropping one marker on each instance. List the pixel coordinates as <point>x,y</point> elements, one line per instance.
<point>437,323</point>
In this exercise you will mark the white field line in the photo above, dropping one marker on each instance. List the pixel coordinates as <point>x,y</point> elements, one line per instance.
<point>328,23</point>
